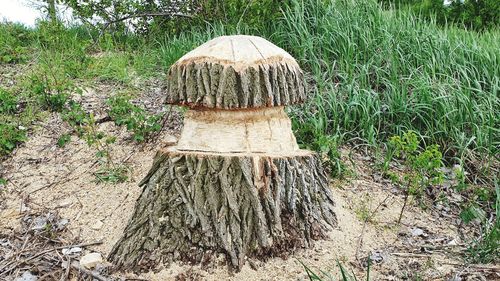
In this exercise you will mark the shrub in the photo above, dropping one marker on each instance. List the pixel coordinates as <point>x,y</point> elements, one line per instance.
<point>8,102</point>
<point>472,14</point>
<point>10,136</point>
<point>123,112</point>
<point>15,40</point>
<point>423,167</point>
<point>51,94</point>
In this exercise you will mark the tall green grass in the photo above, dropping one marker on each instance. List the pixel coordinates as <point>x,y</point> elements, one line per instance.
<point>378,73</point>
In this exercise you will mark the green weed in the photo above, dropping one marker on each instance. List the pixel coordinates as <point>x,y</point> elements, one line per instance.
<point>325,276</point>
<point>112,174</point>
<point>84,124</point>
<point>124,112</point>
<point>111,67</point>
<point>8,102</point>
<point>63,140</point>
<point>14,43</point>
<point>10,136</point>
<point>422,166</point>
<point>485,248</point>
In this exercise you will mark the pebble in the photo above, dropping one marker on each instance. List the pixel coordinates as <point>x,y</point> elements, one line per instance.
<point>169,140</point>
<point>97,225</point>
<point>65,203</point>
<point>417,232</point>
<point>90,260</point>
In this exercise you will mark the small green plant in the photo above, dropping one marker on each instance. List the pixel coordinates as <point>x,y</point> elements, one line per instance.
<point>112,174</point>
<point>8,102</point>
<point>485,248</point>
<point>85,126</point>
<point>52,94</point>
<point>325,276</point>
<point>10,136</point>
<point>3,183</point>
<point>313,134</point>
<point>75,116</point>
<point>422,167</point>
<point>14,42</point>
<point>124,112</point>
<point>63,140</point>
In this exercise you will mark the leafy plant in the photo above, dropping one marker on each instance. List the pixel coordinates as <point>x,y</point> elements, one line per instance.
<point>51,94</point>
<point>422,167</point>
<point>485,249</point>
<point>85,126</point>
<point>14,43</point>
<point>8,102</point>
<point>10,136</point>
<point>63,140</point>
<point>124,112</point>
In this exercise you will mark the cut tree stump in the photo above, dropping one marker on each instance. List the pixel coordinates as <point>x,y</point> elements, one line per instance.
<point>236,183</point>
<point>195,204</point>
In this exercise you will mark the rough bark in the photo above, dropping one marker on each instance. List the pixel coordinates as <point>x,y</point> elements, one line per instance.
<point>195,205</point>
<point>218,85</point>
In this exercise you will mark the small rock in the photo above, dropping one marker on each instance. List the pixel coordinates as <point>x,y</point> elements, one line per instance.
<point>417,232</point>
<point>5,243</point>
<point>169,140</point>
<point>65,203</point>
<point>90,260</point>
<point>452,243</point>
<point>97,225</point>
<point>27,276</point>
<point>61,224</point>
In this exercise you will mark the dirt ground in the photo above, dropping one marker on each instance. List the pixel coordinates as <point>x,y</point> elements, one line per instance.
<point>427,245</point>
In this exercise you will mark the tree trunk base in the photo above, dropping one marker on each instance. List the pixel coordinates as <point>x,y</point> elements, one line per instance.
<point>197,204</point>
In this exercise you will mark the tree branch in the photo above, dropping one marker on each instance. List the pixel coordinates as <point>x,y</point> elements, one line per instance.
<point>148,14</point>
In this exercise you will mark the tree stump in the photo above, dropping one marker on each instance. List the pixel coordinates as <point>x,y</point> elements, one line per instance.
<point>236,183</point>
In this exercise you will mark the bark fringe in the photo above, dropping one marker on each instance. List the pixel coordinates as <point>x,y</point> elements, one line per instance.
<point>194,205</point>
<point>213,85</point>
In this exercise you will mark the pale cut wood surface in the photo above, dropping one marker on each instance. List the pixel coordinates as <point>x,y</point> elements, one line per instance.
<point>239,71</point>
<point>266,130</point>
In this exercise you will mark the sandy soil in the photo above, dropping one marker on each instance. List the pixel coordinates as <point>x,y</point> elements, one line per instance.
<point>43,176</point>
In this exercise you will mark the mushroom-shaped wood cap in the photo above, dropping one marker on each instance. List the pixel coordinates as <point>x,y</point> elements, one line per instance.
<point>231,72</point>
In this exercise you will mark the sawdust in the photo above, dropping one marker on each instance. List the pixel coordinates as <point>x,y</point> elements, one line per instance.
<point>42,175</point>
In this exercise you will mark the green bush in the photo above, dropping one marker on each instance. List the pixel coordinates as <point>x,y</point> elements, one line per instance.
<point>15,40</point>
<point>423,166</point>
<point>51,94</point>
<point>8,102</point>
<point>254,15</point>
<point>472,14</point>
<point>124,112</point>
<point>10,136</point>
